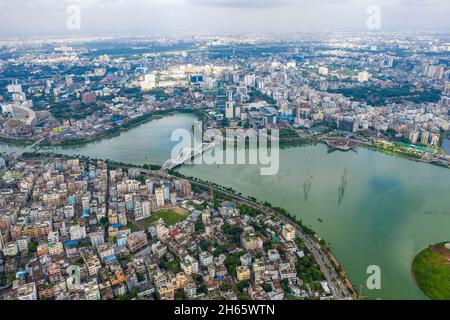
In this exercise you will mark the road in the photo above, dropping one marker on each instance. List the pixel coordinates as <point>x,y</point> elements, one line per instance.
<point>338,289</point>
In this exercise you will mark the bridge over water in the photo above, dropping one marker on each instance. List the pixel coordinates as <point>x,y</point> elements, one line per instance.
<point>187,154</point>
<point>36,144</point>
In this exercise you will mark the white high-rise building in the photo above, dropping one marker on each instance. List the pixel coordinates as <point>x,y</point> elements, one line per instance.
<point>230,95</point>
<point>159,193</point>
<point>229,110</point>
<point>149,81</point>
<point>27,292</point>
<point>146,209</point>
<point>250,80</point>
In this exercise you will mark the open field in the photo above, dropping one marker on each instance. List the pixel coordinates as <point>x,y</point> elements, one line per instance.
<point>172,216</point>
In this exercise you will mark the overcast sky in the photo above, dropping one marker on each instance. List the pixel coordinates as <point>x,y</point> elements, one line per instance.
<point>165,17</point>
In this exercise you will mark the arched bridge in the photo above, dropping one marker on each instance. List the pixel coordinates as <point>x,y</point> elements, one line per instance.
<point>186,154</point>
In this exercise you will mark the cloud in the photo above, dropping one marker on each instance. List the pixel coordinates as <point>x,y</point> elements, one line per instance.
<point>23,17</point>
<point>240,3</point>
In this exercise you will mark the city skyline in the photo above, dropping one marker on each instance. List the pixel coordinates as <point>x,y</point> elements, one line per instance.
<point>224,150</point>
<point>100,17</point>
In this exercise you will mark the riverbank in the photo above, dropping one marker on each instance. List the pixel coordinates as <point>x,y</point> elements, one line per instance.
<point>431,271</point>
<point>111,163</point>
<point>381,188</point>
<point>16,142</point>
<point>344,286</point>
<point>320,249</point>
<point>404,153</point>
<point>108,134</point>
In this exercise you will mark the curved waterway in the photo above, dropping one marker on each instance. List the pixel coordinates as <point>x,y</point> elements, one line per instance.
<point>387,211</point>
<point>147,143</point>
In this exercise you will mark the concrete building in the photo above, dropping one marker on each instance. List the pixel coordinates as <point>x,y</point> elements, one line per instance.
<point>288,232</point>
<point>243,273</point>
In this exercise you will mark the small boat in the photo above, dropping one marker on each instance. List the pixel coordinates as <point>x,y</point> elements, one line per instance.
<point>320,220</point>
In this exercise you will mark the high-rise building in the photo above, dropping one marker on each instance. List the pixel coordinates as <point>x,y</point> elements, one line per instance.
<point>425,137</point>
<point>237,112</point>
<point>288,232</point>
<point>159,193</point>
<point>189,265</point>
<point>149,81</point>
<point>230,95</point>
<point>1,241</point>
<point>446,91</point>
<point>146,209</point>
<point>19,97</point>
<point>229,110</point>
<point>250,80</point>
<point>166,191</point>
<point>414,137</point>
<point>150,187</point>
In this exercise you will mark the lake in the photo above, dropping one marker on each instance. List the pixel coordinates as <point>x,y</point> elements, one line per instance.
<point>390,210</point>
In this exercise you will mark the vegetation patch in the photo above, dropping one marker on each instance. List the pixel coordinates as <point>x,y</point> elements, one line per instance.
<point>172,216</point>
<point>431,270</point>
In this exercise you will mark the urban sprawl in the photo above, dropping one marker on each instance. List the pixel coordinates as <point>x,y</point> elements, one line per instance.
<point>78,229</point>
<point>75,228</point>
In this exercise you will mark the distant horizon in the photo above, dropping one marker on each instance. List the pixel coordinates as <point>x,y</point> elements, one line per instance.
<point>45,18</point>
<point>180,36</point>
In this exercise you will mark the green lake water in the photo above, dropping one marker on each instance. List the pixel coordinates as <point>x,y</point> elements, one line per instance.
<point>391,208</point>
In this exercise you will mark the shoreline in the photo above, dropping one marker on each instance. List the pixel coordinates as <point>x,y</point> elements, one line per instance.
<point>285,143</point>
<point>110,133</point>
<point>282,213</point>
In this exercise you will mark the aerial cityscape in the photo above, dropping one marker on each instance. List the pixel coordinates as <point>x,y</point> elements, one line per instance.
<point>250,164</point>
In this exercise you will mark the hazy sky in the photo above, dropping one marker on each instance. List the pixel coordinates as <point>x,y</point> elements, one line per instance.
<point>49,17</point>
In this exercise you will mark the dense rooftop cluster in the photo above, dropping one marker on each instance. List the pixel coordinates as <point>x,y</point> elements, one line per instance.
<point>73,229</point>
<point>369,84</point>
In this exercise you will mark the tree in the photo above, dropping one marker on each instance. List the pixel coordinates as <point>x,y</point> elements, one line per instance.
<point>224,287</point>
<point>204,245</point>
<point>180,295</point>
<point>218,250</point>
<point>104,222</point>
<point>232,261</point>
<point>32,246</point>
<point>267,287</point>
<point>202,289</point>
<point>199,226</point>
<point>244,296</point>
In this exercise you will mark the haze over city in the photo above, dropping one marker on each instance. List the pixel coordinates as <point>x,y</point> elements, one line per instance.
<point>21,18</point>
